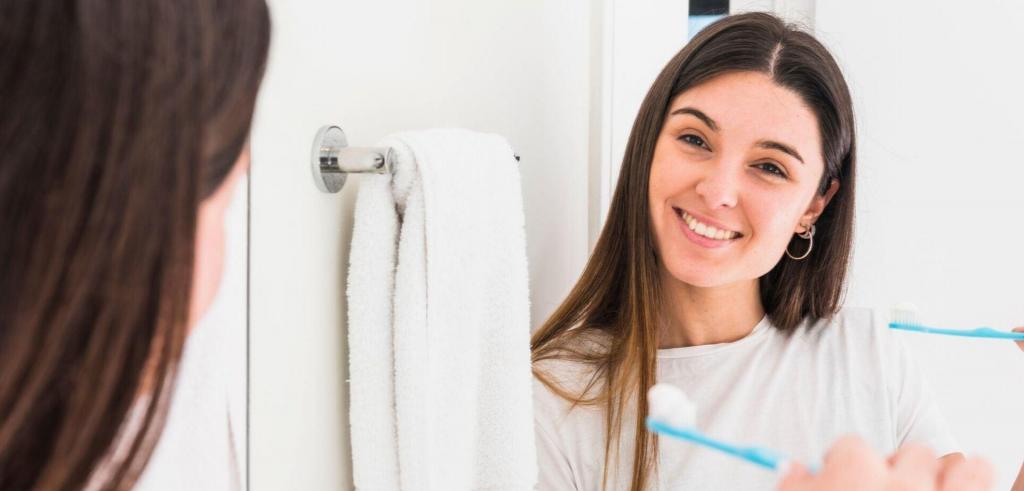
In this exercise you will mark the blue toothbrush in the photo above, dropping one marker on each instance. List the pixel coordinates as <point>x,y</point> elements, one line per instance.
<point>672,414</point>
<point>904,318</point>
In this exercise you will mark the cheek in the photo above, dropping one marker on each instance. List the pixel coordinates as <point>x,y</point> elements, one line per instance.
<point>209,262</point>
<point>671,176</point>
<point>773,221</point>
<point>664,183</point>
<point>209,246</point>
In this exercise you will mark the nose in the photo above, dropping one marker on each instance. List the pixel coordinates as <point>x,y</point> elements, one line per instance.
<point>719,187</point>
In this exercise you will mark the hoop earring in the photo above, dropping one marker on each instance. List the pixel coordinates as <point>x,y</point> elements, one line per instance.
<point>809,235</point>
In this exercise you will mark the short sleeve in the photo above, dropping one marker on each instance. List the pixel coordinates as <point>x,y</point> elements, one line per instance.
<point>918,419</point>
<point>553,465</point>
<point>555,473</point>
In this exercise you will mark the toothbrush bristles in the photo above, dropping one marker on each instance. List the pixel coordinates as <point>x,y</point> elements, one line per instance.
<point>669,404</point>
<point>904,313</point>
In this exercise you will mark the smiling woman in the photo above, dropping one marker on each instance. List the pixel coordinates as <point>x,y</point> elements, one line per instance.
<point>720,270</point>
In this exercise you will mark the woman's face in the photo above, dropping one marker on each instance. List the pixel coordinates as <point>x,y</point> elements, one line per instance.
<point>734,175</point>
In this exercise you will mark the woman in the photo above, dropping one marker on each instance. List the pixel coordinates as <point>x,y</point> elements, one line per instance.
<point>720,269</point>
<point>123,133</point>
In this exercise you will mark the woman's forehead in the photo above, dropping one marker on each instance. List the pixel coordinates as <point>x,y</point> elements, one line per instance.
<point>749,105</point>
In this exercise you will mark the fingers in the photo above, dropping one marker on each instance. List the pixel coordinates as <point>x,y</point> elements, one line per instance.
<point>971,474</point>
<point>852,450</point>
<point>913,467</point>
<point>852,465</point>
<point>1020,344</point>
<point>795,478</point>
<point>947,462</point>
<point>849,464</point>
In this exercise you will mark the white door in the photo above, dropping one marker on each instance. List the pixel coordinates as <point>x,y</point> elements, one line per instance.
<point>520,69</point>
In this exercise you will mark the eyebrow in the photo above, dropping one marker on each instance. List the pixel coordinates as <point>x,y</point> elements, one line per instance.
<point>768,144</point>
<point>780,147</point>
<point>699,114</point>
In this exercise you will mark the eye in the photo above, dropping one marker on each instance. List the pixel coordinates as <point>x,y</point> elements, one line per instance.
<point>694,140</point>
<point>772,169</point>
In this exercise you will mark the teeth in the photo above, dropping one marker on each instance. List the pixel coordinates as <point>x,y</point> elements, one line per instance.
<point>706,230</point>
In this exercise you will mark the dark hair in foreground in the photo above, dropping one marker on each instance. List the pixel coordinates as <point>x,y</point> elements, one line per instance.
<point>119,118</point>
<point>616,300</point>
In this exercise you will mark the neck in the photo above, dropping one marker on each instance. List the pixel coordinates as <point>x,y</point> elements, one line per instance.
<point>693,316</point>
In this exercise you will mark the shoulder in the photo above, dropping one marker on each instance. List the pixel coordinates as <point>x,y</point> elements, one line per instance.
<point>860,335</point>
<point>858,320</point>
<point>573,378</point>
<point>571,365</point>
<point>570,438</point>
<point>565,376</point>
<point>849,324</point>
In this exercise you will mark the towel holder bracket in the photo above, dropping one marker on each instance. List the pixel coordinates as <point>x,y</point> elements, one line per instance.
<point>332,159</point>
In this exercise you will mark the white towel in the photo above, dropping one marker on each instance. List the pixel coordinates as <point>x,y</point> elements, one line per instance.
<point>457,413</point>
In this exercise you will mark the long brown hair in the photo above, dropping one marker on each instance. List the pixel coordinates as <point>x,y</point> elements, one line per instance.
<point>119,118</point>
<point>616,300</point>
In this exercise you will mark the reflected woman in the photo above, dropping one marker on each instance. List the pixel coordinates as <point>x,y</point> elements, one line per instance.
<point>720,270</point>
<point>124,132</point>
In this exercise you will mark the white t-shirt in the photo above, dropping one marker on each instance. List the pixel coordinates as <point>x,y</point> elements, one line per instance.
<point>795,394</point>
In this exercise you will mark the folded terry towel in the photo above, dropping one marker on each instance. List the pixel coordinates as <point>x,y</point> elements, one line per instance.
<point>440,392</point>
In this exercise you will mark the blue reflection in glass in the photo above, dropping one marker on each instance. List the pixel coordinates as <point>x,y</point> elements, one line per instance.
<point>698,22</point>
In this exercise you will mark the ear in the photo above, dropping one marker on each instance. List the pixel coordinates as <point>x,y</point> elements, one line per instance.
<point>817,207</point>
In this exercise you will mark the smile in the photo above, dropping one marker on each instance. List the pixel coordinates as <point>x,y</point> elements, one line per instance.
<point>706,230</point>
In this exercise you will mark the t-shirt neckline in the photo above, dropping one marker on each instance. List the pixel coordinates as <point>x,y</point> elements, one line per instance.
<point>761,328</point>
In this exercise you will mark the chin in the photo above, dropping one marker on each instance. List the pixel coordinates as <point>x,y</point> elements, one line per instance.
<point>698,277</point>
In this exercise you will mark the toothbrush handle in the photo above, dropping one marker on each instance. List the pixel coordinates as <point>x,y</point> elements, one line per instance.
<point>981,332</point>
<point>757,455</point>
<point>763,456</point>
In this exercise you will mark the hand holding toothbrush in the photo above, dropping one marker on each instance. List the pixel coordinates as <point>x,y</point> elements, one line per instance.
<point>852,465</point>
<point>849,465</point>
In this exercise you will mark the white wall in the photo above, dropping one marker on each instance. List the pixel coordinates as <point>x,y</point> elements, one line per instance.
<point>520,69</point>
<point>939,105</point>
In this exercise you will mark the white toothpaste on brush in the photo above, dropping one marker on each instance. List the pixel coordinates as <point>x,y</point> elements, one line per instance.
<point>669,405</point>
